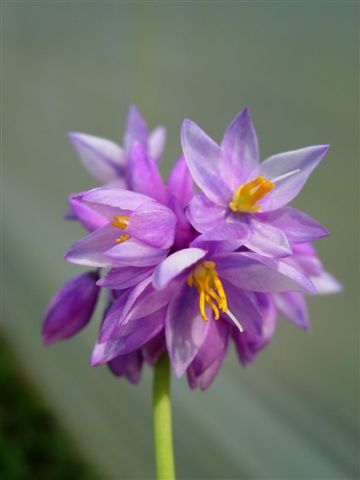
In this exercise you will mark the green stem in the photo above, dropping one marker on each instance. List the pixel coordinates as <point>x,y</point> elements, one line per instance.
<point>164,456</point>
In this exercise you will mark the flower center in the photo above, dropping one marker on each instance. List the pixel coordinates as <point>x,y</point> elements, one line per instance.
<point>211,292</point>
<point>121,221</point>
<point>246,196</point>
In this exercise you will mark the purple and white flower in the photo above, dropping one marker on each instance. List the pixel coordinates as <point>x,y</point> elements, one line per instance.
<point>238,191</point>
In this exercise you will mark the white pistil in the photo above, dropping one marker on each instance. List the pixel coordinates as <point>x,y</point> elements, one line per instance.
<point>285,175</point>
<point>235,320</point>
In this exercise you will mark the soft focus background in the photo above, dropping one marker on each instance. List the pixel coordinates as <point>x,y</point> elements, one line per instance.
<point>77,66</point>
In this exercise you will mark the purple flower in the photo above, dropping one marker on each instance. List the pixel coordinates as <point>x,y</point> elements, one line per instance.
<point>137,230</point>
<point>189,273</point>
<point>107,161</point>
<point>71,308</point>
<point>239,191</point>
<point>198,299</point>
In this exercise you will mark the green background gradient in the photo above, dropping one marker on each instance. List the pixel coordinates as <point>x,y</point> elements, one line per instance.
<point>293,414</point>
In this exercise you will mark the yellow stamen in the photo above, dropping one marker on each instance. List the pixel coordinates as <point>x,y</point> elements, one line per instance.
<point>246,196</point>
<point>121,221</point>
<point>123,238</point>
<point>211,292</point>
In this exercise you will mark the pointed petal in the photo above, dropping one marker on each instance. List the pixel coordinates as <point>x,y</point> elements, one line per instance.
<point>156,142</point>
<point>84,214</point>
<point>240,150</point>
<point>185,330</point>
<point>91,249</point>
<point>144,175</point>
<point>116,314</point>
<point>203,214</point>
<point>136,129</point>
<point>203,157</point>
<point>249,344</point>
<point>134,253</point>
<point>175,264</point>
<point>297,226</point>
<point>253,272</point>
<point>180,182</point>
<point>305,159</point>
<point>144,329</point>
<point>326,284</point>
<point>104,159</point>
<point>153,224</point>
<point>124,277</point>
<point>243,305</point>
<point>206,365</point>
<point>267,240</point>
<point>292,306</point>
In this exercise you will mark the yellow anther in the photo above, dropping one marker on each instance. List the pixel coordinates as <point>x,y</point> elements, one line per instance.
<point>246,196</point>
<point>121,221</point>
<point>123,238</point>
<point>210,289</point>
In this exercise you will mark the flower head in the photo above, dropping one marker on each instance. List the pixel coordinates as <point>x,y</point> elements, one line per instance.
<point>189,273</point>
<point>237,189</point>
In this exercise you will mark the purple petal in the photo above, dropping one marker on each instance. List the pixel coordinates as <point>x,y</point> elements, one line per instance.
<point>128,366</point>
<point>144,176</point>
<point>292,306</point>
<point>104,159</point>
<point>91,249</point>
<point>297,226</point>
<point>203,214</point>
<point>134,253</point>
<point>240,150</point>
<point>249,344</point>
<point>180,182</point>
<point>243,305</point>
<point>144,330</point>
<point>175,264</point>
<point>153,224</point>
<point>116,314</point>
<point>124,277</point>
<point>136,129</point>
<point>252,272</point>
<point>227,231</point>
<point>205,366</point>
<point>305,159</point>
<point>84,214</point>
<point>153,349</point>
<point>267,240</point>
<point>203,157</point>
<point>326,284</point>
<point>109,202</point>
<point>225,237</point>
<point>184,233</point>
<point>156,142</point>
<point>71,308</point>
<point>185,330</point>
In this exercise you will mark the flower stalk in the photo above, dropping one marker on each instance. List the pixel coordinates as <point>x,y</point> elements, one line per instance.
<point>164,457</point>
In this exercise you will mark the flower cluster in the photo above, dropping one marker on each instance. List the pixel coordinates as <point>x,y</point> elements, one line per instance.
<point>187,272</point>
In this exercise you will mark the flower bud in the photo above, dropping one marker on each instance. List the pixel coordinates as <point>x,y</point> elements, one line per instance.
<point>71,308</point>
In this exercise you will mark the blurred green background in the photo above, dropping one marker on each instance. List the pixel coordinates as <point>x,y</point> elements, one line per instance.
<point>293,414</point>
